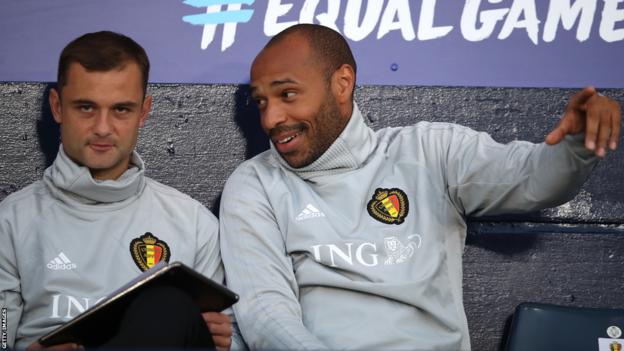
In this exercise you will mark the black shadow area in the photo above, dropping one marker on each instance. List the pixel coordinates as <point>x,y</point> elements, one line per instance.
<point>247,118</point>
<point>48,130</point>
<point>501,237</point>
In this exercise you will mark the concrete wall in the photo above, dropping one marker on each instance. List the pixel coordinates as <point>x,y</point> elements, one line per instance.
<point>198,134</point>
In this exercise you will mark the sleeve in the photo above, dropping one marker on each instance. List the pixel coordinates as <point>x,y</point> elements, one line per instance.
<point>488,178</point>
<point>11,303</point>
<point>208,262</point>
<point>207,256</point>
<point>259,269</point>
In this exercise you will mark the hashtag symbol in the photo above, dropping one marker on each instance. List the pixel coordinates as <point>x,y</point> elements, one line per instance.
<point>214,16</point>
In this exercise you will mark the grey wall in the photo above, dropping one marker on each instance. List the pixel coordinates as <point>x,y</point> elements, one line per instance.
<point>197,134</point>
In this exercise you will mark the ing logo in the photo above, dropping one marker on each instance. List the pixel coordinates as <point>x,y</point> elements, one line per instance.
<point>215,15</point>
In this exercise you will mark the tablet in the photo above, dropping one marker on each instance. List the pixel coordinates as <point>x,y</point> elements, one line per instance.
<point>98,324</point>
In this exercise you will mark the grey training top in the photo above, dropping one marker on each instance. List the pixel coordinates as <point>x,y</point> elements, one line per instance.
<point>362,248</point>
<point>67,241</point>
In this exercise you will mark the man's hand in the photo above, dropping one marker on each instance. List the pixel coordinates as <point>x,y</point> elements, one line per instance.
<point>68,346</point>
<point>220,327</point>
<point>596,115</point>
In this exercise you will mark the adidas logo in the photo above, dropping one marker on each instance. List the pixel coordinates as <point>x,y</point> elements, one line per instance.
<point>309,212</point>
<point>61,262</point>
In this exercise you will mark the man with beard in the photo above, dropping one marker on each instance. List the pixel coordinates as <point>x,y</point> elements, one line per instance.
<point>303,225</point>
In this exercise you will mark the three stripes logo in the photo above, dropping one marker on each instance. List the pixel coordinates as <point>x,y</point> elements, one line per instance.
<point>309,212</point>
<point>388,206</point>
<point>61,262</point>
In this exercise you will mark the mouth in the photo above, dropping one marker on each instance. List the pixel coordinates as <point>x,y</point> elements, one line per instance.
<point>100,147</point>
<point>287,139</point>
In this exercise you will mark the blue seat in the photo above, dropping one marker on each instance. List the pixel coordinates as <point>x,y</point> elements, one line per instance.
<point>538,326</point>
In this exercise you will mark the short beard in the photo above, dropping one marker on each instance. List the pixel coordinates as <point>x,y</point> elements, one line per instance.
<point>330,124</point>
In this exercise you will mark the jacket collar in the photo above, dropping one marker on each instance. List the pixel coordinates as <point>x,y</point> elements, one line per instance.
<point>74,182</point>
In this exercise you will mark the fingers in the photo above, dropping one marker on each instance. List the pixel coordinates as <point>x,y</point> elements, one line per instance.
<point>578,100</point>
<point>220,327</point>
<point>222,342</point>
<point>592,124</point>
<point>603,123</point>
<point>566,126</point>
<point>597,116</point>
<point>616,123</point>
<point>216,317</point>
<point>555,136</point>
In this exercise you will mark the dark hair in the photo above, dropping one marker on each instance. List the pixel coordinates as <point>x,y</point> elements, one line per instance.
<point>329,46</point>
<point>102,51</point>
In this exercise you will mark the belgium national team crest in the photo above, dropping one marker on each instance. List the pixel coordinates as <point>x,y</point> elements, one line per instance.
<point>388,206</point>
<point>147,250</point>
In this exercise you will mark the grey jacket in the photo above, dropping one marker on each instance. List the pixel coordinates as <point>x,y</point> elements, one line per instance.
<point>362,248</point>
<point>67,241</point>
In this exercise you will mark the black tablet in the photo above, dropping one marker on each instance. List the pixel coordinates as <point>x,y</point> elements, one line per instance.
<point>99,323</point>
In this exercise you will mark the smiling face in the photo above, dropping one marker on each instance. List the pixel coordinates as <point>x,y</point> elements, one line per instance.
<point>301,109</point>
<point>100,114</point>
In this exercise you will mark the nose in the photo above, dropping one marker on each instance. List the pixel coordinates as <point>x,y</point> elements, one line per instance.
<point>272,115</point>
<point>102,124</point>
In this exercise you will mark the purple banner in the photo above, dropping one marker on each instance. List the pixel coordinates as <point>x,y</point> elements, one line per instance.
<point>510,43</point>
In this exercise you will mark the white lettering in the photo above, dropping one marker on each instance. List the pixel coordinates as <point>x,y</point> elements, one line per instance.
<point>55,306</point>
<point>327,19</point>
<point>526,9</point>
<point>72,301</point>
<point>276,9</point>
<point>561,10</point>
<point>347,257</point>
<point>61,266</point>
<point>360,258</point>
<point>357,32</point>
<point>610,15</point>
<point>426,30</point>
<point>488,20</point>
<point>400,10</point>
<point>317,252</point>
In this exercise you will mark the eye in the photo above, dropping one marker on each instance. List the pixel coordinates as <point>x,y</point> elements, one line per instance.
<point>122,109</point>
<point>261,103</point>
<point>288,94</point>
<point>86,108</point>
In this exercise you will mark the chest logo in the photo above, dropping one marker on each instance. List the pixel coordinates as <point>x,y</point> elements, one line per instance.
<point>147,250</point>
<point>388,206</point>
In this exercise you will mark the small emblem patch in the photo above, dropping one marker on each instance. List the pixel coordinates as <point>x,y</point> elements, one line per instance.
<point>147,250</point>
<point>388,206</point>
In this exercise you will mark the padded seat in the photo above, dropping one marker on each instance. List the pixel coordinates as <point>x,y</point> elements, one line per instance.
<point>538,326</point>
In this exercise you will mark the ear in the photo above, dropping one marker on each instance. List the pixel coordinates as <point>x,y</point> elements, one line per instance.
<point>343,83</point>
<point>145,109</point>
<point>55,105</point>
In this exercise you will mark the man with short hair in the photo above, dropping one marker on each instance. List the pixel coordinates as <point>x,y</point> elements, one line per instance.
<point>95,221</point>
<point>340,237</point>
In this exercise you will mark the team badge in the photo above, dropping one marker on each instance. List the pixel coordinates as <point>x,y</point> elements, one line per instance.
<point>388,206</point>
<point>147,250</point>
